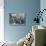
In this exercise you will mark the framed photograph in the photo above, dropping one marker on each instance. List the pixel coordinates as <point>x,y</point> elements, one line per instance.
<point>17,18</point>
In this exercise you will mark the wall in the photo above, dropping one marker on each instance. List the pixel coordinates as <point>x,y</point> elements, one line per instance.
<point>43,6</point>
<point>29,7</point>
<point>1,21</point>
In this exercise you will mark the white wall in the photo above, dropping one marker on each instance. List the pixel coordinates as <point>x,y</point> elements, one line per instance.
<point>1,21</point>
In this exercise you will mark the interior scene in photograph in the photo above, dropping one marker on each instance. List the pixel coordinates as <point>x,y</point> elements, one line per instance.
<point>17,19</point>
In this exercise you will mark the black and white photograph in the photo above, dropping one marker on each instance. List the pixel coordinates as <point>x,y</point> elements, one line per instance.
<point>17,18</point>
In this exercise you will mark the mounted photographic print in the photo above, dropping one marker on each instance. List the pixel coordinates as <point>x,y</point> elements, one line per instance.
<point>17,19</point>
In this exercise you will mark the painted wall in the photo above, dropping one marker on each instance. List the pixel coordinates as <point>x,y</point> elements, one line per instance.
<point>43,6</point>
<point>1,21</point>
<point>29,7</point>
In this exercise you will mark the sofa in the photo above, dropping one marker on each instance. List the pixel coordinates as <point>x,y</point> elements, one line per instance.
<point>39,38</point>
<point>8,43</point>
<point>39,35</point>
